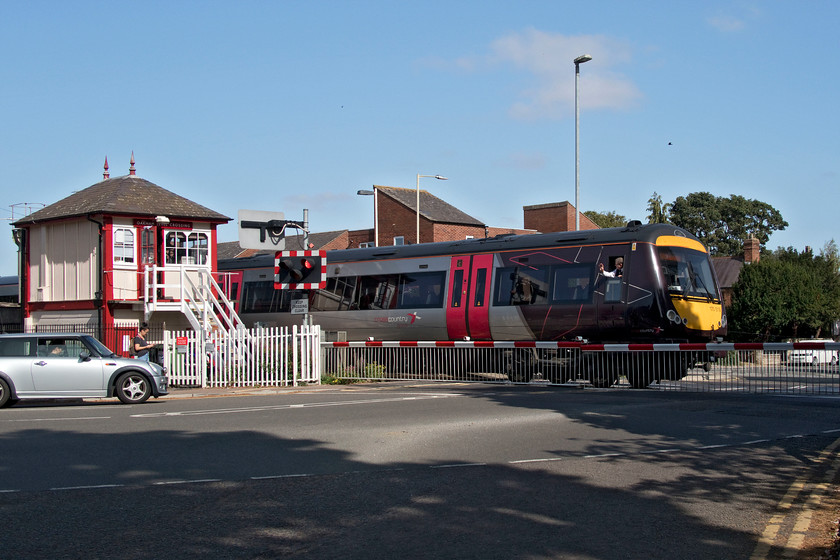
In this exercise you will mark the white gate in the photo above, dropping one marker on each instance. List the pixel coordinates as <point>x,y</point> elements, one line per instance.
<point>244,358</point>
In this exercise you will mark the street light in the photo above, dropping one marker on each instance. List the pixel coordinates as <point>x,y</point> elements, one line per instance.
<point>365,192</point>
<point>578,61</point>
<point>438,177</point>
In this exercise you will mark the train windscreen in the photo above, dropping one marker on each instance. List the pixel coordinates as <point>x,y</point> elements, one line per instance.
<point>687,273</point>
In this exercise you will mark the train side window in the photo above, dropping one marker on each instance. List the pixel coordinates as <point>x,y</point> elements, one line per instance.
<point>421,290</point>
<point>612,291</point>
<point>571,283</point>
<point>521,286</point>
<point>261,297</point>
<point>337,296</point>
<point>377,292</point>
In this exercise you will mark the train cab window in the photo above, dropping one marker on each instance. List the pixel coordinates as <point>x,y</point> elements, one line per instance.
<point>687,272</point>
<point>571,284</point>
<point>612,290</point>
<point>421,290</point>
<point>521,286</point>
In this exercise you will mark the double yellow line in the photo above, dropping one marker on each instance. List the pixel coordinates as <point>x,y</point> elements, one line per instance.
<point>803,520</point>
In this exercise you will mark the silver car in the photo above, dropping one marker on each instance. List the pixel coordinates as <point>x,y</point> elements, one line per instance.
<point>71,365</point>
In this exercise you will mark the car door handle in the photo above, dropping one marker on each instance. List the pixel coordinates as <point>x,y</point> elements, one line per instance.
<point>41,363</point>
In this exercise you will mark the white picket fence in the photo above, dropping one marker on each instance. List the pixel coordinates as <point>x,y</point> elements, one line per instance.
<point>280,356</point>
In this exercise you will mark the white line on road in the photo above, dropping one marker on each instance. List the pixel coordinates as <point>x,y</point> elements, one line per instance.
<point>289,406</point>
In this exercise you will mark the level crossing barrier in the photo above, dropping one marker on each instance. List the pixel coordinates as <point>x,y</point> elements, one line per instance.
<point>799,367</point>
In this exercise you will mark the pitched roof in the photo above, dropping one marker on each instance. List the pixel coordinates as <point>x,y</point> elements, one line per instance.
<point>232,250</point>
<point>431,207</point>
<point>126,195</point>
<point>728,270</point>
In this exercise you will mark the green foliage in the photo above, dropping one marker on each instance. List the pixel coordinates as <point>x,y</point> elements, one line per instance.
<point>606,219</point>
<point>659,212</point>
<point>722,223</point>
<point>785,295</point>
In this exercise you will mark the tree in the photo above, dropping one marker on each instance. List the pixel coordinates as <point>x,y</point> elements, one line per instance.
<point>722,223</point>
<point>785,295</point>
<point>606,219</point>
<point>659,212</point>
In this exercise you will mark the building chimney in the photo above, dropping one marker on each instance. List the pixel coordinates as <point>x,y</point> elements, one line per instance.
<point>752,250</point>
<point>131,170</point>
<point>106,174</point>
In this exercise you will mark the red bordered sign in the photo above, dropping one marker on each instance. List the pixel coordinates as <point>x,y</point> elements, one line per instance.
<point>300,270</point>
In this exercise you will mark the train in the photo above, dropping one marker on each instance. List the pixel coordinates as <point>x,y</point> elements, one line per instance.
<point>539,287</point>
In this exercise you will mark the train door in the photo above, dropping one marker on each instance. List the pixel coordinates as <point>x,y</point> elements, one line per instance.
<point>610,294</point>
<point>467,308</point>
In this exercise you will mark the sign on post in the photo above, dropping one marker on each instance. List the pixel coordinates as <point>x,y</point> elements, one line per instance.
<point>300,270</point>
<point>300,306</point>
<point>259,229</point>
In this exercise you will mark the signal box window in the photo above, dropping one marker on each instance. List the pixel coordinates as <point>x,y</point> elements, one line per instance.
<point>176,247</point>
<point>124,246</point>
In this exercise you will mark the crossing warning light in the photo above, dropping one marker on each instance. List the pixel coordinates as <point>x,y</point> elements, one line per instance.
<point>300,270</point>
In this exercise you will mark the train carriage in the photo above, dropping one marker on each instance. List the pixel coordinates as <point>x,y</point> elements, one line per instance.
<point>544,287</point>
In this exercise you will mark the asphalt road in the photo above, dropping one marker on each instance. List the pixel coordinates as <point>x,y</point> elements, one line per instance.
<point>416,471</point>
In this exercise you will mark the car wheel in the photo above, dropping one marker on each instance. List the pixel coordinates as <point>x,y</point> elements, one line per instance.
<point>133,388</point>
<point>5,393</point>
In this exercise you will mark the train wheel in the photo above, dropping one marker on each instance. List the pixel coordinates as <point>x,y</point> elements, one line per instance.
<point>520,365</point>
<point>599,372</point>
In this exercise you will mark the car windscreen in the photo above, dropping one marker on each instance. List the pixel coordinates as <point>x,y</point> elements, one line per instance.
<point>98,347</point>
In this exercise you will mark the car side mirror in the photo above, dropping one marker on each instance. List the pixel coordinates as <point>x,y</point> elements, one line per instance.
<point>84,355</point>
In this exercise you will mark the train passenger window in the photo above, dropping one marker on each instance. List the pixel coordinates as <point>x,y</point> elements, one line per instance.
<point>571,283</point>
<point>521,285</point>
<point>337,296</point>
<point>377,292</point>
<point>261,297</point>
<point>421,290</point>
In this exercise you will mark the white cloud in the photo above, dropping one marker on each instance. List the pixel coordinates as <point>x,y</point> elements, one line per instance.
<point>548,59</point>
<point>726,23</point>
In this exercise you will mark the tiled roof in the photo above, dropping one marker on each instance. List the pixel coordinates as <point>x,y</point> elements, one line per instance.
<point>431,207</point>
<point>728,269</point>
<point>126,195</point>
<point>231,249</point>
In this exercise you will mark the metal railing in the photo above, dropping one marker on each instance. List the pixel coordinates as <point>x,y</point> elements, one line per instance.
<point>279,356</point>
<point>800,368</point>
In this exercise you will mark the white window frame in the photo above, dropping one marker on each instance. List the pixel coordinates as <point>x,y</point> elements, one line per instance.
<point>399,240</point>
<point>123,248</point>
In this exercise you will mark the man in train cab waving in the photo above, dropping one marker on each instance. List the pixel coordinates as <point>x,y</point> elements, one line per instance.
<point>619,267</point>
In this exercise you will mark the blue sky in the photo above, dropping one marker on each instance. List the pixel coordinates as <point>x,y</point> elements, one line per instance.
<point>291,105</point>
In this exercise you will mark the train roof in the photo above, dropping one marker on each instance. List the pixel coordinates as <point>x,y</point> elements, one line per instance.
<point>633,231</point>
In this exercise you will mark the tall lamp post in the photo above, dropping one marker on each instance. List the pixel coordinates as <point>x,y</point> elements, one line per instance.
<point>578,61</point>
<point>375,212</point>
<point>438,177</point>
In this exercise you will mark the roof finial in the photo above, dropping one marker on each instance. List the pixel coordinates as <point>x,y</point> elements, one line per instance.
<point>106,175</point>
<point>131,170</point>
